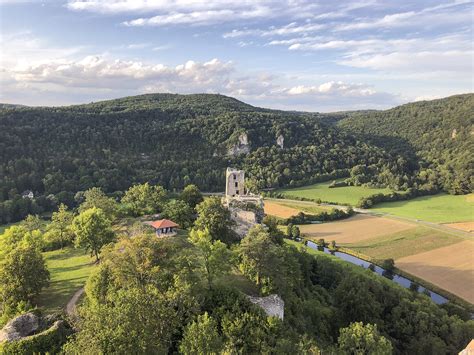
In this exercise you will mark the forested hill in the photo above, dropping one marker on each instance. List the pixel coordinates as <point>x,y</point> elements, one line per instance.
<point>174,140</point>
<point>439,133</point>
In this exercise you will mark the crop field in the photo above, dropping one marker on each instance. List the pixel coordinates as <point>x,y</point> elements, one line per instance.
<point>285,209</point>
<point>69,269</point>
<point>354,229</point>
<point>441,208</point>
<point>450,267</point>
<point>342,195</point>
<point>402,243</point>
<point>464,226</point>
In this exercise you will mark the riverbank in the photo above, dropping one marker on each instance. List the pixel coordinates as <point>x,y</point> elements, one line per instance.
<point>404,279</point>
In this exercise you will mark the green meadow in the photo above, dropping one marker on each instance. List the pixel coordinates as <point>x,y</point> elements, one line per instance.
<point>69,269</point>
<point>441,208</point>
<point>341,195</point>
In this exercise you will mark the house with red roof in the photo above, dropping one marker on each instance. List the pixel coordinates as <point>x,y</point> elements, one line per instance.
<point>164,227</point>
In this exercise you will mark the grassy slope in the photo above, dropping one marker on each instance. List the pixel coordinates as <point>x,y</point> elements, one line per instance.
<point>343,195</point>
<point>403,243</point>
<point>441,208</point>
<point>69,270</point>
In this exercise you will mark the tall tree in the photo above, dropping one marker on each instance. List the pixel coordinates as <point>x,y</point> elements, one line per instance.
<point>215,254</point>
<point>191,195</point>
<point>214,217</point>
<point>95,197</point>
<point>179,212</point>
<point>59,231</point>
<point>201,337</point>
<point>360,339</point>
<point>144,199</point>
<point>23,273</point>
<point>259,256</point>
<point>93,230</point>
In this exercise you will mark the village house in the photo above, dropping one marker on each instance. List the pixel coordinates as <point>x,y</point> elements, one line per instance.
<point>164,227</point>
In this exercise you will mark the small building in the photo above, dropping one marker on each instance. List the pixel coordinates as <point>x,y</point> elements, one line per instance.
<point>164,227</point>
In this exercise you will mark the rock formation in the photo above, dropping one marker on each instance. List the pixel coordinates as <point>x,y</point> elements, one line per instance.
<point>20,327</point>
<point>280,141</point>
<point>241,147</point>
<point>273,305</point>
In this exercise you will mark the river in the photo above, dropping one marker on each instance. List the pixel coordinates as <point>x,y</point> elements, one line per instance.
<point>402,281</point>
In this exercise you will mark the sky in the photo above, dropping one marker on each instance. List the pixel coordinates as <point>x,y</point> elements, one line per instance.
<point>306,55</point>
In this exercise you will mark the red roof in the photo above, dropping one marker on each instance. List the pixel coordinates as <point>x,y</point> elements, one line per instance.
<point>162,223</point>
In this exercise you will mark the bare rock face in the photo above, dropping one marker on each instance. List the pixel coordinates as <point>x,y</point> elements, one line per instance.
<point>273,305</point>
<point>20,327</point>
<point>242,147</point>
<point>280,141</point>
<point>244,220</point>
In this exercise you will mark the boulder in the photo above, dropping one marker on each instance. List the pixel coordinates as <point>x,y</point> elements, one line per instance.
<point>20,327</point>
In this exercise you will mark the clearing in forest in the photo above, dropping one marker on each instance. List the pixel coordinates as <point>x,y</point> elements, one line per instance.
<point>341,195</point>
<point>450,267</point>
<point>69,269</point>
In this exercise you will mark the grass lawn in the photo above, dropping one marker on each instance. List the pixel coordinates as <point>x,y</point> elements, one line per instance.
<point>441,208</point>
<point>69,269</point>
<point>342,195</point>
<point>403,243</point>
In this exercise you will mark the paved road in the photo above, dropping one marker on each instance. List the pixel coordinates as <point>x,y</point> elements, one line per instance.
<point>71,305</point>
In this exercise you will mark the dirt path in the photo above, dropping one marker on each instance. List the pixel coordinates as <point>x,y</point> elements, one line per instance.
<point>71,305</point>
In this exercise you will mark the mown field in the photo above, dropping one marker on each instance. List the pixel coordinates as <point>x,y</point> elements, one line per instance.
<point>342,195</point>
<point>441,208</point>
<point>354,229</point>
<point>285,209</point>
<point>450,267</point>
<point>402,243</point>
<point>69,269</point>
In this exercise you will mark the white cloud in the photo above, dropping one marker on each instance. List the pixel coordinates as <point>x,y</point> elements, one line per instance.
<point>99,76</point>
<point>334,88</point>
<point>290,29</point>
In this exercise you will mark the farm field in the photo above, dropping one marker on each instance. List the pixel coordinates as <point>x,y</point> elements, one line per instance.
<point>342,195</point>
<point>403,243</point>
<point>464,226</point>
<point>355,229</point>
<point>441,208</point>
<point>450,267</point>
<point>69,269</point>
<point>285,209</point>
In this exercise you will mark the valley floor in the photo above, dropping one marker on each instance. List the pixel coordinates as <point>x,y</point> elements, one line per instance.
<point>433,252</point>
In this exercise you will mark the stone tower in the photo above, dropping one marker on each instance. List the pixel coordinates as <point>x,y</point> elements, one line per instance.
<point>235,182</point>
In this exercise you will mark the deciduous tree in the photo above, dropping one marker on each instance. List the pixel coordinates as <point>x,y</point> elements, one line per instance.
<point>93,230</point>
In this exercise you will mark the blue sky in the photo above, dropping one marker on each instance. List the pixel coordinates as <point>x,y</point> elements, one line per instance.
<point>295,54</point>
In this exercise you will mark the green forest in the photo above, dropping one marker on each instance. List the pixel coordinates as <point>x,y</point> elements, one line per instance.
<point>174,140</point>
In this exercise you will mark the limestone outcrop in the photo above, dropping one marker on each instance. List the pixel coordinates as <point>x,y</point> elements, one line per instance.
<point>273,305</point>
<point>20,327</point>
<point>241,147</point>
